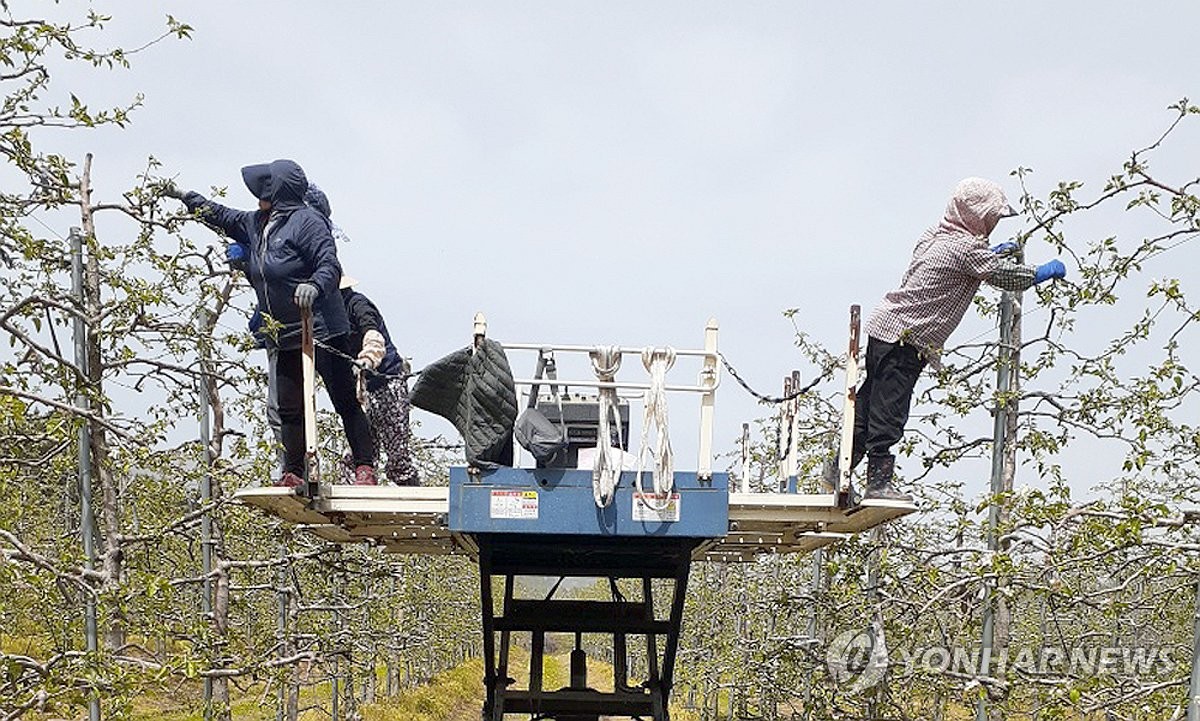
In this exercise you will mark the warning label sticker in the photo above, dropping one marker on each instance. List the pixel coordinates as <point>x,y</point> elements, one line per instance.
<point>515,504</point>
<point>653,507</point>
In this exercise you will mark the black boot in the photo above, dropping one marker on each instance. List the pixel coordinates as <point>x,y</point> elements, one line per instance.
<point>879,481</point>
<point>831,471</point>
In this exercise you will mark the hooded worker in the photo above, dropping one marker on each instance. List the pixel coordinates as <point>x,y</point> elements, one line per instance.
<point>288,254</point>
<point>910,327</point>
<point>385,397</point>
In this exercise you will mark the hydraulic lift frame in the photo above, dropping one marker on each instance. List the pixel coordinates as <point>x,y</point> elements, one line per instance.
<point>560,533</point>
<point>617,558</point>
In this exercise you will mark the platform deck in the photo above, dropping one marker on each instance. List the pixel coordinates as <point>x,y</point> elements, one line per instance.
<point>414,520</point>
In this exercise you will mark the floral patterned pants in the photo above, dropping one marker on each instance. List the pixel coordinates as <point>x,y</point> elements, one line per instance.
<point>387,413</point>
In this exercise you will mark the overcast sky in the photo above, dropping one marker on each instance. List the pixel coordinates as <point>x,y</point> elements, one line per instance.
<point>618,172</point>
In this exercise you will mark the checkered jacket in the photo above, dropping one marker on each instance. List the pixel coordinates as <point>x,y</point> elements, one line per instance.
<point>943,276</point>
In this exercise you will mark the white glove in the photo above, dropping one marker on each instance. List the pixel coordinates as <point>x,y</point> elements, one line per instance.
<point>373,349</point>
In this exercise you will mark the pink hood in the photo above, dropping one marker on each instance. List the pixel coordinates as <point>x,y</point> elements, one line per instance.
<point>975,208</point>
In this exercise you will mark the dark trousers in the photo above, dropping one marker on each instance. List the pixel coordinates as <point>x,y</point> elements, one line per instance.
<point>338,376</point>
<point>882,402</point>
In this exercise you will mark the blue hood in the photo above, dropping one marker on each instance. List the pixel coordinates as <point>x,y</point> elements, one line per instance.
<point>287,186</point>
<point>257,178</point>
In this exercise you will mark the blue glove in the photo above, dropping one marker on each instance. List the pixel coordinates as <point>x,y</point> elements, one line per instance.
<point>235,255</point>
<point>256,320</point>
<point>1008,246</point>
<point>1047,271</point>
<point>256,328</point>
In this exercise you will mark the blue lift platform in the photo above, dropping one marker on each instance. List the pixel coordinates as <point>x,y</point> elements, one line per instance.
<point>545,522</point>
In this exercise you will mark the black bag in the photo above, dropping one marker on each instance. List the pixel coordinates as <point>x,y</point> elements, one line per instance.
<point>533,429</point>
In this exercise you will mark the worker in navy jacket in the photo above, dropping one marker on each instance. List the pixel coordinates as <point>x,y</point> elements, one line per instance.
<point>384,372</point>
<point>289,256</point>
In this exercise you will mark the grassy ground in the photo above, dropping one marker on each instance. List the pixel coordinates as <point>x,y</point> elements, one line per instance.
<point>454,695</point>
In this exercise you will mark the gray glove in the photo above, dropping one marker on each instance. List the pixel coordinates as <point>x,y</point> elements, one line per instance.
<point>170,190</point>
<point>306,295</point>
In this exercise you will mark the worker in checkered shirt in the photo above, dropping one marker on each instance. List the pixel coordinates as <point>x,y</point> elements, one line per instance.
<point>909,328</point>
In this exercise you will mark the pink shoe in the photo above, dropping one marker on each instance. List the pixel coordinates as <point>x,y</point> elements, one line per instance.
<point>289,480</point>
<point>365,476</point>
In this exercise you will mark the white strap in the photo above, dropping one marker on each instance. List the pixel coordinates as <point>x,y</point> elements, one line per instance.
<point>662,459</point>
<point>606,471</point>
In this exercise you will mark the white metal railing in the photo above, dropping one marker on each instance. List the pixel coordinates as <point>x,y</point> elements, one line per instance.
<point>788,425</point>
<point>590,348</point>
<point>706,385</point>
<point>850,391</point>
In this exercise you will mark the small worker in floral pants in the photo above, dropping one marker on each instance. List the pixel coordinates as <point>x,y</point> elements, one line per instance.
<point>383,390</point>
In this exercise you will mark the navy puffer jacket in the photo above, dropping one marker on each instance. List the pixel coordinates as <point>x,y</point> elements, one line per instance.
<point>299,248</point>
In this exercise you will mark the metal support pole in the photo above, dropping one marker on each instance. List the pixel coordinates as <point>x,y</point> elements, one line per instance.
<point>335,690</point>
<point>308,367</point>
<point>487,623</point>
<point>281,598</point>
<point>339,636</point>
<point>88,522</point>
<point>796,430</point>
<point>206,597</point>
<point>1193,713</point>
<point>1004,378</point>
<point>784,441</point>
<point>708,379</point>
<point>745,479</point>
<point>818,565</point>
<point>846,445</point>
<point>793,452</point>
<point>875,659</point>
<point>578,664</point>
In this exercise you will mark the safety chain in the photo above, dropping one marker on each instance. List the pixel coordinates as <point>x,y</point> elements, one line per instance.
<point>355,362</point>
<point>771,399</point>
<point>438,446</point>
<point>724,361</point>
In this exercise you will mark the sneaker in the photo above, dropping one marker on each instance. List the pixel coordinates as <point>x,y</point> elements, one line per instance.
<point>289,480</point>
<point>365,476</point>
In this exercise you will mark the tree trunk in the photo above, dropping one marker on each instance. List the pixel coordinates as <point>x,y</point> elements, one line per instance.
<point>290,690</point>
<point>370,680</point>
<point>220,580</point>
<point>877,694</point>
<point>110,527</point>
<point>220,623</point>
<point>391,676</point>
